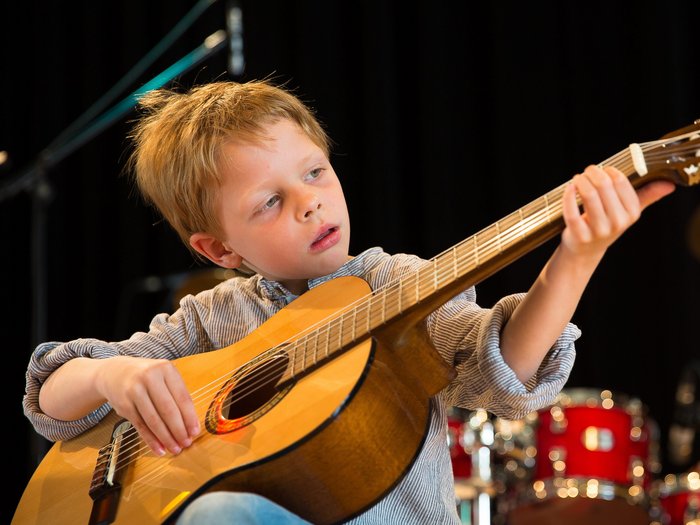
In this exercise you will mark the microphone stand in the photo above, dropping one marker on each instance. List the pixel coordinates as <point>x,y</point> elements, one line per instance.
<point>35,180</point>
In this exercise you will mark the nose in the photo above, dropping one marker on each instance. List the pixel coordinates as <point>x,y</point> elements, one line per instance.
<point>309,204</point>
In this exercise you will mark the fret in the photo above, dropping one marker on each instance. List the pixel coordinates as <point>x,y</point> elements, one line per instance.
<point>377,306</point>
<point>484,243</point>
<point>340,332</point>
<point>498,237</point>
<point>436,280</point>
<point>293,358</point>
<point>369,313</point>
<point>313,354</point>
<point>400,293</point>
<point>354,324</point>
<point>455,272</point>
<point>318,343</point>
<point>521,223</point>
<point>303,357</point>
<point>417,286</point>
<point>546,204</point>
<point>384,308</point>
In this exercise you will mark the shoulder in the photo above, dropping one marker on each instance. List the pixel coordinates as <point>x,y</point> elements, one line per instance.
<point>232,293</point>
<point>379,267</point>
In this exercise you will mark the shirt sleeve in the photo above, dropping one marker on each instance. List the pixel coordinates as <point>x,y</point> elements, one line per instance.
<point>468,337</point>
<point>169,337</point>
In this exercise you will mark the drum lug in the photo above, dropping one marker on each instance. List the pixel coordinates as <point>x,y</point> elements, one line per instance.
<point>557,458</point>
<point>559,423</point>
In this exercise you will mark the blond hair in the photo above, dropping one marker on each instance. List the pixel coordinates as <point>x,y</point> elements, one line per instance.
<point>178,141</point>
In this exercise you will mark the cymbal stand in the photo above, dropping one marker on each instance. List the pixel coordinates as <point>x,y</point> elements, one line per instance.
<point>475,503</point>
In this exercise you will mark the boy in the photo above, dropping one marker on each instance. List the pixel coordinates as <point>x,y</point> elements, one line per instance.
<point>242,173</point>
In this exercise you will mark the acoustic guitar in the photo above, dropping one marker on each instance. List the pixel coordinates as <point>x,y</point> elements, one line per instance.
<point>325,406</point>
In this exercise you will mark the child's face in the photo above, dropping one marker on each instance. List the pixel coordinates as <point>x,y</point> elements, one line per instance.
<point>282,208</point>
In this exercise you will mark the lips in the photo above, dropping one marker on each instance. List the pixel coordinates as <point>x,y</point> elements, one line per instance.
<point>327,237</point>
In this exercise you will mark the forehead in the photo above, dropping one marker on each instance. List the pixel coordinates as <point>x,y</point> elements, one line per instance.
<point>280,149</point>
<point>281,137</point>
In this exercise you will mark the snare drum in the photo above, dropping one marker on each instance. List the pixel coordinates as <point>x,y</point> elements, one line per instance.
<point>591,458</point>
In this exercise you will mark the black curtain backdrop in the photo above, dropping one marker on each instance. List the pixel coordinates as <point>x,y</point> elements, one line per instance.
<point>446,117</point>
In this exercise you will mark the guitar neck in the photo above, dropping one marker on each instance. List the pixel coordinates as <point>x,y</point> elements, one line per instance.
<point>413,297</point>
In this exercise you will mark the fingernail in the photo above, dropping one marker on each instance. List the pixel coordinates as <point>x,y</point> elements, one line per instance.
<point>194,432</point>
<point>176,450</point>
<point>187,442</point>
<point>159,451</point>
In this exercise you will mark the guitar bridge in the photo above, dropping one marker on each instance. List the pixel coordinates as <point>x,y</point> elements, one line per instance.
<point>105,487</point>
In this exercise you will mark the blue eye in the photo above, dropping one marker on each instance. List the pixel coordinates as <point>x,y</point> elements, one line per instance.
<point>314,174</point>
<point>270,202</point>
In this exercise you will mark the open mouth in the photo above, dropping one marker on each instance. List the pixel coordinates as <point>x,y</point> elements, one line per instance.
<point>325,234</point>
<point>326,239</point>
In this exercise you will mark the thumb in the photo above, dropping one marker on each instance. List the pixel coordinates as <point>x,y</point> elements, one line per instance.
<point>654,191</point>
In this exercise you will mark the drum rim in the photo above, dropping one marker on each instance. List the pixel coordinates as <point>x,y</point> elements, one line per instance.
<point>610,490</point>
<point>674,484</point>
<point>594,397</point>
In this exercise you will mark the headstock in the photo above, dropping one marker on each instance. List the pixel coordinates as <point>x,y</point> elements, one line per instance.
<point>676,156</point>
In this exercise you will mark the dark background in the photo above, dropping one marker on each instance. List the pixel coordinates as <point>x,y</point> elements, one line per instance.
<point>446,116</point>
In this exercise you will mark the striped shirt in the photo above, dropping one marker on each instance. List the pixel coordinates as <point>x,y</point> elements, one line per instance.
<point>465,335</point>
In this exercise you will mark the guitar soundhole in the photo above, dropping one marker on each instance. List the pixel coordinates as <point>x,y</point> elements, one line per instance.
<point>248,394</point>
<point>255,388</point>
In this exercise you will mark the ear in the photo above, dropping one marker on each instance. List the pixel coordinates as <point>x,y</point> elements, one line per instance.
<point>214,250</point>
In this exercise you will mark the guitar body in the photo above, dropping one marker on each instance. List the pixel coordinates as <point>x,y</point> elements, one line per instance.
<point>335,444</point>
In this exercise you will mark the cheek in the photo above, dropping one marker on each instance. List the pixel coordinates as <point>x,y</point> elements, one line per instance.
<point>271,239</point>
<point>336,198</point>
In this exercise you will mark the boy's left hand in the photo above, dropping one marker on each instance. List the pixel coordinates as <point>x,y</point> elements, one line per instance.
<point>610,206</point>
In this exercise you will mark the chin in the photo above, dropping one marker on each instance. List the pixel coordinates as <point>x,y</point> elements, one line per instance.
<point>332,264</point>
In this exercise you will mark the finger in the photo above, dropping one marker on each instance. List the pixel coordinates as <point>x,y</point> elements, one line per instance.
<point>131,413</point>
<point>626,193</point>
<point>609,184</point>
<point>594,211</point>
<point>654,191</point>
<point>183,400</point>
<point>167,417</point>
<point>153,419</point>
<point>147,436</point>
<point>571,213</point>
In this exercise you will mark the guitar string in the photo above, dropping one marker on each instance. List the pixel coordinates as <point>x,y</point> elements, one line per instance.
<point>622,154</point>
<point>252,386</point>
<point>150,474</point>
<point>512,232</point>
<point>418,272</point>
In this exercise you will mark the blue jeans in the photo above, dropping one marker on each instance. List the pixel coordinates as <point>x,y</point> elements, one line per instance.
<point>239,508</point>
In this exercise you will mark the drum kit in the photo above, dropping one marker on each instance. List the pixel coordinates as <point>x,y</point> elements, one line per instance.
<point>591,457</point>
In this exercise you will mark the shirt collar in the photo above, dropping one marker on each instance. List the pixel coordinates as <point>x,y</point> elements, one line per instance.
<point>358,265</point>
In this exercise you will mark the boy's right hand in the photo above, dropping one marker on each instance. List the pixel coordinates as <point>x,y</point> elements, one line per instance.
<point>151,394</point>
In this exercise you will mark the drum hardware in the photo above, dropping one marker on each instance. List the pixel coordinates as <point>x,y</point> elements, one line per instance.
<point>676,500</point>
<point>591,457</point>
<point>470,438</point>
<point>590,445</point>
